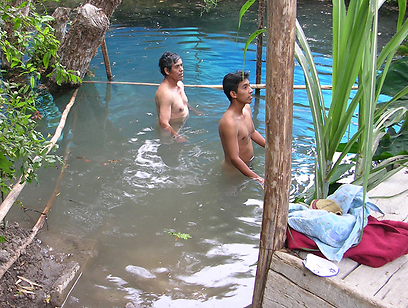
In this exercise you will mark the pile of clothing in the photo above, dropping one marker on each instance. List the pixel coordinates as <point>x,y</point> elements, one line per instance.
<point>342,227</point>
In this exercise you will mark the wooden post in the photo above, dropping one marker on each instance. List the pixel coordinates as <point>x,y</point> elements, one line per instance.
<point>259,43</point>
<point>279,107</point>
<point>106,60</point>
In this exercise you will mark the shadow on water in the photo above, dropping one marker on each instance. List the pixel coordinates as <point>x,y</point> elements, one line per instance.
<point>123,190</point>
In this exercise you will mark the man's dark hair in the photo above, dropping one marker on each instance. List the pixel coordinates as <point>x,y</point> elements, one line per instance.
<point>231,82</point>
<point>167,60</point>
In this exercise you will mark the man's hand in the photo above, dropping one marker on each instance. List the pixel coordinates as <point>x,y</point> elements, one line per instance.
<point>197,112</point>
<point>180,139</point>
<point>260,181</point>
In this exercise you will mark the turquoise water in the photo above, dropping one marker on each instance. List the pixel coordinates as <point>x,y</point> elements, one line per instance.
<point>123,191</point>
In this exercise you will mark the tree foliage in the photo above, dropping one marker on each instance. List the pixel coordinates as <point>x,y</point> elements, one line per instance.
<point>355,60</point>
<point>29,52</point>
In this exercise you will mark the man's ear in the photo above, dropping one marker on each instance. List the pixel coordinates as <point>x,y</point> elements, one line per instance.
<point>166,71</point>
<point>233,94</point>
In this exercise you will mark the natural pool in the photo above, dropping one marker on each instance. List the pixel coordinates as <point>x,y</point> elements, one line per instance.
<point>123,190</point>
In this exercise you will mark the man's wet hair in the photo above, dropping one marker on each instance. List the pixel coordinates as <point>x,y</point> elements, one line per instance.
<point>231,82</point>
<point>167,60</point>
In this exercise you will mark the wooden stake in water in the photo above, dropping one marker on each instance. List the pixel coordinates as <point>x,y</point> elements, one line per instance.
<point>106,60</point>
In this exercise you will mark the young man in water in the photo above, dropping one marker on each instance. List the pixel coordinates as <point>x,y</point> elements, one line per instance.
<point>236,128</point>
<point>171,100</point>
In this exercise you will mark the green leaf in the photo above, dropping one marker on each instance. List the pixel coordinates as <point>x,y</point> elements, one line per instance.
<point>397,78</point>
<point>244,8</point>
<point>177,235</point>
<point>46,59</point>
<point>251,38</point>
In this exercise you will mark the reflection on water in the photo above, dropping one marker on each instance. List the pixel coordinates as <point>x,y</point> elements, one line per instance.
<point>124,190</point>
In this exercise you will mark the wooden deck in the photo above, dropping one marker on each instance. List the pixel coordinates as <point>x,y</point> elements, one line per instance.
<point>289,284</point>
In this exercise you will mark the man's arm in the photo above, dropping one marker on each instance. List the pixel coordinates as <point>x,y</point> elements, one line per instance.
<point>228,135</point>
<point>199,113</point>
<point>258,138</point>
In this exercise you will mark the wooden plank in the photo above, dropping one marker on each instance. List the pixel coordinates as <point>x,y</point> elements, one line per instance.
<point>391,197</point>
<point>395,291</point>
<point>332,290</point>
<point>346,267</point>
<point>289,294</point>
<point>384,282</point>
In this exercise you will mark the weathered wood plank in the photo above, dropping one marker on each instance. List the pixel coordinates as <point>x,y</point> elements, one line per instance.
<point>289,294</point>
<point>395,208</point>
<point>395,291</point>
<point>332,290</point>
<point>384,282</point>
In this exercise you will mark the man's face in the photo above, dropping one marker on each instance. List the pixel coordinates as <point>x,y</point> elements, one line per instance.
<point>244,94</point>
<point>176,71</point>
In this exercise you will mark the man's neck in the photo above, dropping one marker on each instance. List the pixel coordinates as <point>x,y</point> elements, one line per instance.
<point>171,82</point>
<point>237,107</point>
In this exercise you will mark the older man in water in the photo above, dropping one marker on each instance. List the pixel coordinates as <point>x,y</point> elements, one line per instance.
<point>236,128</point>
<point>171,100</point>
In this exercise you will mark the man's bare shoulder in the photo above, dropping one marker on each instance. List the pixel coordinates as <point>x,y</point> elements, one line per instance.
<point>180,84</point>
<point>163,94</point>
<point>227,121</point>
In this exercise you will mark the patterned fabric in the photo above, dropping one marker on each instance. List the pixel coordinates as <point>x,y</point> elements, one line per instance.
<point>334,234</point>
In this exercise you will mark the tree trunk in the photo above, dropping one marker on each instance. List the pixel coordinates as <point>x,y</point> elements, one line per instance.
<point>86,34</point>
<point>61,18</point>
<point>82,41</point>
<point>107,6</point>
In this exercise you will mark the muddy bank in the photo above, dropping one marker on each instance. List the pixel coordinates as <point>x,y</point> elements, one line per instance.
<point>40,277</point>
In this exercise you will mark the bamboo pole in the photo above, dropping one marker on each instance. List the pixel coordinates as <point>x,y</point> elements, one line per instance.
<point>259,44</point>
<point>54,195</point>
<point>279,115</point>
<point>17,188</point>
<point>208,86</point>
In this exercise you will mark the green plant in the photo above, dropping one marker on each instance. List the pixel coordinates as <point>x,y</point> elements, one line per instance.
<point>177,235</point>
<point>355,59</point>
<point>30,49</point>
<point>22,148</point>
<point>207,6</point>
<point>29,45</point>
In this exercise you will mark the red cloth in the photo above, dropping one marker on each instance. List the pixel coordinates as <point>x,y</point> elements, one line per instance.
<point>382,242</point>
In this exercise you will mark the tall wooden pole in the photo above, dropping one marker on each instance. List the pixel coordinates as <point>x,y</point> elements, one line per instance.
<point>279,107</point>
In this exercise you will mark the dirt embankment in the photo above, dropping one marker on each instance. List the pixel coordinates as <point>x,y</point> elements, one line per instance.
<point>33,279</point>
